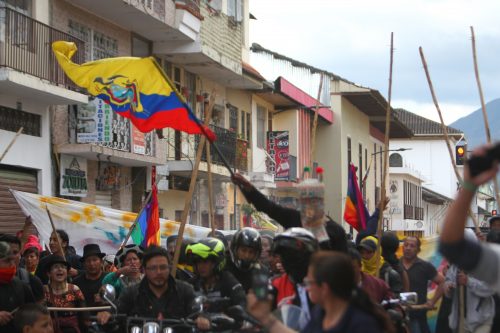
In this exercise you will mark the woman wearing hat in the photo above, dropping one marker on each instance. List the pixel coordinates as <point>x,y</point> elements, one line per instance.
<point>128,264</point>
<point>59,293</point>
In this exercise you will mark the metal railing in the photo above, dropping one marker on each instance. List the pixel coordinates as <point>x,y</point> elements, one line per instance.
<point>242,155</point>
<point>26,46</point>
<point>226,141</point>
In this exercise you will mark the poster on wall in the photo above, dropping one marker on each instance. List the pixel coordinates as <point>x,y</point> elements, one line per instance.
<point>73,180</point>
<point>94,122</point>
<point>108,177</point>
<point>278,149</point>
<point>138,141</point>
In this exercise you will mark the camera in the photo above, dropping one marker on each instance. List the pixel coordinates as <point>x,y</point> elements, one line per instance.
<point>479,164</point>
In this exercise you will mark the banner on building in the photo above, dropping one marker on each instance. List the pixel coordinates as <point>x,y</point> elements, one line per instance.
<point>278,149</point>
<point>73,180</point>
<point>86,223</point>
<point>94,121</point>
<point>138,141</point>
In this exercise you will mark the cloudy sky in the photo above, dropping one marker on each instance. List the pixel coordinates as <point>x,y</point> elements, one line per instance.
<point>351,38</point>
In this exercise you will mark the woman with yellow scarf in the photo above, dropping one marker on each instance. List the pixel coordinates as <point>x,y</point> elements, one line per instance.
<point>368,248</point>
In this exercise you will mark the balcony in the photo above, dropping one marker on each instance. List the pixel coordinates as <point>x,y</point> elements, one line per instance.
<point>226,141</point>
<point>99,134</point>
<point>156,20</point>
<point>28,67</point>
<point>241,155</point>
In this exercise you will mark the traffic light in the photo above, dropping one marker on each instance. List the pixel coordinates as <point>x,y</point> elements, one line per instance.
<point>460,154</point>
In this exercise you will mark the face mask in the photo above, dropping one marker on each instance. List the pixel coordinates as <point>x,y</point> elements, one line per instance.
<point>7,274</point>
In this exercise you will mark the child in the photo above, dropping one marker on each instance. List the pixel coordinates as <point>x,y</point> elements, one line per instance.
<point>33,318</point>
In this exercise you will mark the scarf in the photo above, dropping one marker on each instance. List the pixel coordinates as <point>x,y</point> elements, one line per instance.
<point>370,266</point>
<point>7,274</point>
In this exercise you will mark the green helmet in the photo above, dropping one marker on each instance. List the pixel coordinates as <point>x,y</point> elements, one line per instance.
<point>208,248</point>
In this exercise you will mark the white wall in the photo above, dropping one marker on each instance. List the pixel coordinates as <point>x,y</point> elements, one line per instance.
<point>431,158</point>
<point>30,151</point>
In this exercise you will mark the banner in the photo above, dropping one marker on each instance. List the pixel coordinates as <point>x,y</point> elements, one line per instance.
<point>138,141</point>
<point>94,122</point>
<point>73,176</point>
<point>87,223</point>
<point>277,148</point>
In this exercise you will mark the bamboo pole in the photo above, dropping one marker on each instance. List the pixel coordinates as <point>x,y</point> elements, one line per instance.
<point>54,231</point>
<point>315,121</point>
<point>483,108</point>
<point>386,156</point>
<point>444,129</point>
<point>11,143</point>
<point>189,196</point>
<point>210,189</point>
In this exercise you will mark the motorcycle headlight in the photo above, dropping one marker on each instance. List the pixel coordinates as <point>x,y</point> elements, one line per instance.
<point>151,327</point>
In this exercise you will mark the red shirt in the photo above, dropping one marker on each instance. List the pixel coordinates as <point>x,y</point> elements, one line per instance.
<point>285,288</point>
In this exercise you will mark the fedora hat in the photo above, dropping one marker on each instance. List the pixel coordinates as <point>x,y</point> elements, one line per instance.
<point>53,259</point>
<point>91,250</point>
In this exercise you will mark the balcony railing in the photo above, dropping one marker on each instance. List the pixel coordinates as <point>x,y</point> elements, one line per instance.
<point>226,141</point>
<point>26,46</point>
<point>242,155</point>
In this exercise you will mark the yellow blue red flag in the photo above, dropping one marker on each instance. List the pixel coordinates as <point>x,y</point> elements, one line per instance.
<point>135,88</point>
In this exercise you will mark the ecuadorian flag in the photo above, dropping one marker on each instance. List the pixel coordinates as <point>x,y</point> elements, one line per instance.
<point>135,88</point>
<point>355,212</point>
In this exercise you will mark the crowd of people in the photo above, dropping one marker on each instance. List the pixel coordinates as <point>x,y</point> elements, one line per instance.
<point>339,285</point>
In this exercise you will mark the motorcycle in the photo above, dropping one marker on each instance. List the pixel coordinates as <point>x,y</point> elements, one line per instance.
<point>399,310</point>
<point>122,323</point>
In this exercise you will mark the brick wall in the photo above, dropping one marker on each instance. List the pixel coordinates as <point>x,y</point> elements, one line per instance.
<point>62,11</point>
<point>220,34</point>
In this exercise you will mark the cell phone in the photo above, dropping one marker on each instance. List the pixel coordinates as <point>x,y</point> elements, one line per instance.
<point>260,285</point>
<point>479,164</point>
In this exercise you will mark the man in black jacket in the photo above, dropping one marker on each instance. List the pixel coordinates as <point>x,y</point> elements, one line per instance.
<point>289,217</point>
<point>158,295</point>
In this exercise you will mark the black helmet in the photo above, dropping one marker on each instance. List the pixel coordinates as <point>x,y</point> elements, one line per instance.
<point>248,237</point>
<point>298,239</point>
<point>208,248</point>
<point>295,247</point>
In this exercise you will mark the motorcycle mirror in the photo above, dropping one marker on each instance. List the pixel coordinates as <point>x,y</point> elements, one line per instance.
<point>410,298</point>
<point>109,293</point>
<point>151,327</point>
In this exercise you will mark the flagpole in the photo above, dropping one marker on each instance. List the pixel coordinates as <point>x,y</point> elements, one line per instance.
<point>315,121</point>
<point>386,156</point>
<point>445,130</point>
<point>189,196</point>
<point>54,230</point>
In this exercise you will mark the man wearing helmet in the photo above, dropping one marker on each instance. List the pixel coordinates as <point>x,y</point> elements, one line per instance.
<point>295,246</point>
<point>208,259</point>
<point>245,250</point>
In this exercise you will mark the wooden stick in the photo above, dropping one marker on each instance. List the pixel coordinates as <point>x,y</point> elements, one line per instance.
<point>210,190</point>
<point>483,108</point>
<point>83,309</point>
<point>444,129</point>
<point>461,309</point>
<point>386,156</point>
<point>11,143</point>
<point>189,197</point>
<point>315,121</point>
<point>55,232</point>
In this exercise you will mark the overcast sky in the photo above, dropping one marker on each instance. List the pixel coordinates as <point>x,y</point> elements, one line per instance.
<point>351,38</point>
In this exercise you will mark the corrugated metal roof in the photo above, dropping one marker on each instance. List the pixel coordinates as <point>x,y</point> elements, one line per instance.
<point>423,126</point>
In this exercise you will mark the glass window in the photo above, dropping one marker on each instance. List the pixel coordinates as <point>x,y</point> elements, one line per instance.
<point>233,118</point>
<point>261,126</point>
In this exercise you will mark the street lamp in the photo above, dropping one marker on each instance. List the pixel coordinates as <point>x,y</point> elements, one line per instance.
<point>399,149</point>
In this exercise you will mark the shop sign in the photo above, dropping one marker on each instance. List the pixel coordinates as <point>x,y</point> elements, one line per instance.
<point>278,148</point>
<point>94,122</point>
<point>73,176</point>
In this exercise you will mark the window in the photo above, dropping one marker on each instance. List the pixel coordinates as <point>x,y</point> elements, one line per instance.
<point>97,44</point>
<point>20,6</point>
<point>395,160</point>
<point>249,126</point>
<point>412,201</point>
<point>349,152</point>
<point>261,126</point>
<point>12,119</point>
<point>233,118</point>
<point>235,10</point>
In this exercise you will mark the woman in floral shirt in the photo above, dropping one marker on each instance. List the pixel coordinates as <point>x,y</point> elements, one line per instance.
<point>59,293</point>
